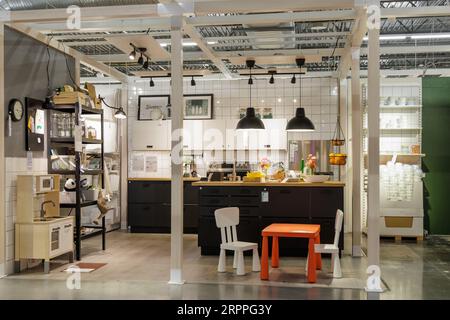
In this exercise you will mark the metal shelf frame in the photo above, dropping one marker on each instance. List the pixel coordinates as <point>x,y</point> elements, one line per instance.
<point>79,110</point>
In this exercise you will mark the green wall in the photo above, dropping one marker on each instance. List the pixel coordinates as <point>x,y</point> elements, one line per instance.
<point>436,146</point>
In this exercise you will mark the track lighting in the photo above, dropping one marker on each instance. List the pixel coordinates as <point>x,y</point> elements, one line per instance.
<point>152,84</point>
<point>141,59</point>
<point>132,55</point>
<point>250,121</point>
<point>145,65</point>
<point>193,82</point>
<point>293,80</point>
<point>272,80</point>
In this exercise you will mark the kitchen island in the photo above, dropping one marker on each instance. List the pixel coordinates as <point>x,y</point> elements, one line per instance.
<point>262,204</point>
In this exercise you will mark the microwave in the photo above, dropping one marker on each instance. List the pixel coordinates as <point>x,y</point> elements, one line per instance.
<point>45,183</point>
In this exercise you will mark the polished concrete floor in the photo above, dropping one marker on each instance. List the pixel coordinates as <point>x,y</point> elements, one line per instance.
<point>138,268</point>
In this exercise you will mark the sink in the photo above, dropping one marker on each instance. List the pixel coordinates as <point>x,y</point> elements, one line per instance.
<point>46,219</point>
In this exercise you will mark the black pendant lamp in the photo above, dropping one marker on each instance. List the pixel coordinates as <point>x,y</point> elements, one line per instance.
<point>250,121</point>
<point>300,123</point>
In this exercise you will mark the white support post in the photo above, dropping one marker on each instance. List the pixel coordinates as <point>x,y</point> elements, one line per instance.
<point>176,242</point>
<point>2,153</point>
<point>123,149</point>
<point>373,214</point>
<point>356,152</point>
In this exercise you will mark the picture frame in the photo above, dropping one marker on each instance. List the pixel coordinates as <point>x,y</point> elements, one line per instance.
<point>154,107</point>
<point>198,106</point>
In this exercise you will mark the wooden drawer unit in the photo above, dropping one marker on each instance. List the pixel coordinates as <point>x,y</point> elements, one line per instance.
<point>148,192</point>
<point>244,201</point>
<point>213,191</point>
<point>149,215</point>
<point>287,202</point>
<point>215,201</point>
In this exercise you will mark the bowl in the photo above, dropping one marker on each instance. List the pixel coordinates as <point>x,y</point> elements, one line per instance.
<point>316,178</point>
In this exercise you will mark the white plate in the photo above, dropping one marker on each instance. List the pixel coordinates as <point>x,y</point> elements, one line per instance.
<point>316,179</point>
<point>156,113</point>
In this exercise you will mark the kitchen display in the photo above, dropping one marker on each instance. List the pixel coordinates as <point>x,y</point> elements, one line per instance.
<point>254,150</point>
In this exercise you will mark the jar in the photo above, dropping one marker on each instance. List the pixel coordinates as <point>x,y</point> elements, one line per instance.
<point>55,125</point>
<point>92,133</point>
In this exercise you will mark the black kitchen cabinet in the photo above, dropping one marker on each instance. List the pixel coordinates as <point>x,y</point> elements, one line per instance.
<point>209,235</point>
<point>149,208</point>
<point>149,217</point>
<point>287,202</point>
<point>148,192</point>
<point>278,204</point>
<point>325,202</point>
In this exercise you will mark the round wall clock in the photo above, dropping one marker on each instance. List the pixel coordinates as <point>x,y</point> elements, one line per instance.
<point>16,109</point>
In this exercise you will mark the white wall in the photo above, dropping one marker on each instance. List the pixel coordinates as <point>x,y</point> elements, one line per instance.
<point>319,98</point>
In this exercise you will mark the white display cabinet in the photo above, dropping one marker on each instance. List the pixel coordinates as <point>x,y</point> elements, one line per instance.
<point>400,140</point>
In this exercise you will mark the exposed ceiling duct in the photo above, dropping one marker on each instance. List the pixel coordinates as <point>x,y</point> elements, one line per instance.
<point>49,4</point>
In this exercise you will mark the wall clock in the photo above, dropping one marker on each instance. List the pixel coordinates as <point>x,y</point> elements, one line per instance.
<point>16,109</point>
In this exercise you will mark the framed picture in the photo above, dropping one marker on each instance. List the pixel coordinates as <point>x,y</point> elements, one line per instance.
<point>154,107</point>
<point>198,106</point>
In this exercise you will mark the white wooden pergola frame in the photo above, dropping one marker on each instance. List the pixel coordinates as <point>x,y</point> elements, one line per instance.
<point>182,18</point>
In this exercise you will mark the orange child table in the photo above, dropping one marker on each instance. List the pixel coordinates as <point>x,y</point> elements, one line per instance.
<point>288,230</point>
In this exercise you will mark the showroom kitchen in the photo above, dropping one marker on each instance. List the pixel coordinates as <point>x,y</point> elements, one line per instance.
<point>247,151</point>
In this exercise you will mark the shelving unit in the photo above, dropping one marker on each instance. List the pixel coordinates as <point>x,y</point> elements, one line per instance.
<point>394,142</point>
<point>69,142</point>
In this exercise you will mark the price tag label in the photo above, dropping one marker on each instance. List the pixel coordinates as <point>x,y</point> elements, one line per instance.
<point>265,196</point>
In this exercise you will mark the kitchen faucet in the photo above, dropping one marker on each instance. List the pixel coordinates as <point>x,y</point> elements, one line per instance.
<point>42,207</point>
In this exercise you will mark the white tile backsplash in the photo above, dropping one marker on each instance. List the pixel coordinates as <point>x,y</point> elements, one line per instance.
<point>319,98</point>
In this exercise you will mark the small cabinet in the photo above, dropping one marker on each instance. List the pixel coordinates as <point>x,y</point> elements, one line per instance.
<point>151,135</point>
<point>274,137</point>
<point>149,207</point>
<point>193,135</point>
<point>214,135</point>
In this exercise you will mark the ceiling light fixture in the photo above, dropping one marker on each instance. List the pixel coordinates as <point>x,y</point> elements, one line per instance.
<point>146,64</point>
<point>300,123</point>
<point>250,121</point>
<point>132,55</point>
<point>185,44</point>
<point>141,59</point>
<point>272,79</point>
<point>293,80</point>
<point>193,82</point>
<point>318,26</point>
<point>119,114</point>
<point>152,84</point>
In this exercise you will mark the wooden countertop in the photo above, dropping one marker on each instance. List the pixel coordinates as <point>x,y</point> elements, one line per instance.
<point>163,179</point>
<point>328,184</point>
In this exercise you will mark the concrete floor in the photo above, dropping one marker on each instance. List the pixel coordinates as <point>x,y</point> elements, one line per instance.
<point>138,268</point>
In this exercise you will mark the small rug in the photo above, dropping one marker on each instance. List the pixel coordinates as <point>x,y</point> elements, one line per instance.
<point>84,267</point>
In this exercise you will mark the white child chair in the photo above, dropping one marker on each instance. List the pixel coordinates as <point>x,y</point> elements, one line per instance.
<point>227,219</point>
<point>332,248</point>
